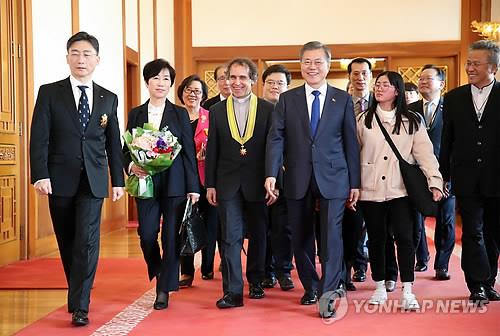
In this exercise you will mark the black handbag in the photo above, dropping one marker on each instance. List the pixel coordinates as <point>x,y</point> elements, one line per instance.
<point>414,179</point>
<point>192,231</point>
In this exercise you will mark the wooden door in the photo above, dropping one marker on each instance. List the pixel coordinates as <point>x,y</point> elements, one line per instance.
<point>11,107</point>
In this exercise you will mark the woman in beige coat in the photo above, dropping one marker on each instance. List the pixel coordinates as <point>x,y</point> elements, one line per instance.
<point>383,199</point>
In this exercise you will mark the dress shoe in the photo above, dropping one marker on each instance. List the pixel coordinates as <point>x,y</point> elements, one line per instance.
<point>309,298</point>
<point>208,276</point>
<point>327,302</point>
<point>186,281</point>
<point>350,287</point>
<point>359,276</point>
<point>491,293</point>
<point>390,285</point>
<point>269,282</point>
<point>286,282</point>
<point>442,274</point>
<point>230,301</point>
<point>256,291</point>
<point>79,318</point>
<point>421,265</point>
<point>479,297</point>
<point>161,301</point>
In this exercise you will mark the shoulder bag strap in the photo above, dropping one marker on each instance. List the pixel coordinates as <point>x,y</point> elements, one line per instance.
<point>388,138</point>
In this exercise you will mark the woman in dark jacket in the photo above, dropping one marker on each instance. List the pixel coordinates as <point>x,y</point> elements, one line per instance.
<point>171,187</point>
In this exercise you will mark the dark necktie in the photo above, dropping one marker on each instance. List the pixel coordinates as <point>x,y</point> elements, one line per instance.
<point>83,108</point>
<point>315,112</point>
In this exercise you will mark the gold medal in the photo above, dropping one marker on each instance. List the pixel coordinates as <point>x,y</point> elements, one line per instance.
<point>243,150</point>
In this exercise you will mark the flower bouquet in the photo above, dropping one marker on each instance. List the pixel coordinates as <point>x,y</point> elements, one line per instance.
<point>154,151</point>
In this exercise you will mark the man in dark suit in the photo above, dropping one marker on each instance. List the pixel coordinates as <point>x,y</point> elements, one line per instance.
<point>74,138</point>
<point>430,85</point>
<point>314,131</point>
<point>469,157</point>
<point>234,177</point>
<point>279,252</point>
<point>222,79</point>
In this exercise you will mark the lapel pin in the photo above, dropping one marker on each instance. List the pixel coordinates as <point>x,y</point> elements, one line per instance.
<point>104,120</point>
<point>333,100</point>
<point>102,96</point>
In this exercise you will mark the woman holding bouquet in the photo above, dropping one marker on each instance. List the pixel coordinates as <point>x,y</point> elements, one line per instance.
<point>192,92</point>
<point>171,187</point>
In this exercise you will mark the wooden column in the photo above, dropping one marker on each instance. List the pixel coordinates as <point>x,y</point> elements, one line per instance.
<point>183,41</point>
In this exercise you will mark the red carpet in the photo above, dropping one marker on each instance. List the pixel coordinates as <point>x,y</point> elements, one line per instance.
<point>45,273</point>
<point>192,311</point>
<point>118,283</point>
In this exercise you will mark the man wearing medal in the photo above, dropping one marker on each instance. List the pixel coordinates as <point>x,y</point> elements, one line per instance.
<point>235,166</point>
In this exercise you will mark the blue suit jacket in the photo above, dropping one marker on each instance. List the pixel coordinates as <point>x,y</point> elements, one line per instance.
<point>332,155</point>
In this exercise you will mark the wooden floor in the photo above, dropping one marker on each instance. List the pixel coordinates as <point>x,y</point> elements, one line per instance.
<point>19,308</point>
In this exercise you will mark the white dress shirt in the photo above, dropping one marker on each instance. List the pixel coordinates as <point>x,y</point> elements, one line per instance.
<point>155,114</point>
<point>480,98</point>
<point>77,92</point>
<point>310,98</point>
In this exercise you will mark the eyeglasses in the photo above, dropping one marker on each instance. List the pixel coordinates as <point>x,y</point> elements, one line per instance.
<point>188,91</point>
<point>278,83</point>
<point>383,86</point>
<point>85,54</point>
<point>426,79</point>
<point>474,64</point>
<point>317,62</point>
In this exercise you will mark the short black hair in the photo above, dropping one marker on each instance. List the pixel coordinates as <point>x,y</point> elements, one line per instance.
<point>188,80</point>
<point>252,68</point>
<point>154,67</point>
<point>358,60</point>
<point>439,71</point>
<point>277,68</point>
<point>409,86</point>
<point>83,36</point>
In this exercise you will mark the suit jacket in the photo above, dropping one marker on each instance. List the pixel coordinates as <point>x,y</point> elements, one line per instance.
<point>435,129</point>
<point>210,102</point>
<point>59,150</point>
<point>200,140</point>
<point>228,171</point>
<point>333,154</point>
<point>182,176</point>
<point>470,148</point>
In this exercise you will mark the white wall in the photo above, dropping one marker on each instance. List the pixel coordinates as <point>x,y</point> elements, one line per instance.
<point>131,24</point>
<point>165,35</point>
<point>495,10</point>
<point>49,40</point>
<point>292,22</point>
<point>147,40</point>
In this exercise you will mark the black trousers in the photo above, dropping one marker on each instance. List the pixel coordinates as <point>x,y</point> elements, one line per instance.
<point>76,221</point>
<point>480,239</point>
<point>149,212</point>
<point>211,218</point>
<point>353,239</point>
<point>379,216</point>
<point>300,216</point>
<point>233,214</point>
<point>279,240</point>
<point>444,234</point>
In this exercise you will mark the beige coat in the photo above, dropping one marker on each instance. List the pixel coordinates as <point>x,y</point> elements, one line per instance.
<point>380,175</point>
